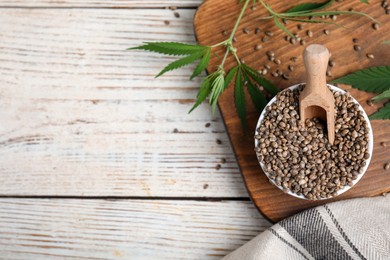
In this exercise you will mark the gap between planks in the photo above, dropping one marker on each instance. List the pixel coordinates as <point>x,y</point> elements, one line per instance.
<point>207,199</point>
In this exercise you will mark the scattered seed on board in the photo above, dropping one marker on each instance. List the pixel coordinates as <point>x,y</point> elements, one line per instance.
<point>271,58</point>
<point>332,63</point>
<point>302,42</point>
<point>285,76</point>
<point>357,48</point>
<point>269,33</point>
<point>333,17</point>
<point>293,41</point>
<point>274,74</point>
<point>225,33</point>
<point>375,26</point>
<point>246,30</point>
<point>386,166</point>
<point>177,15</point>
<point>268,67</point>
<point>294,59</point>
<point>242,61</point>
<point>258,47</point>
<point>270,53</point>
<point>300,26</point>
<point>257,30</point>
<point>265,71</point>
<point>277,62</point>
<point>355,40</point>
<point>253,8</point>
<point>309,33</point>
<point>329,73</point>
<point>326,32</point>
<point>370,56</point>
<point>234,39</point>
<point>383,144</point>
<point>265,39</point>
<point>369,102</point>
<point>290,67</point>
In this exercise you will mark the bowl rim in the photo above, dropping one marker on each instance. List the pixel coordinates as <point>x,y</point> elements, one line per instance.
<point>370,144</point>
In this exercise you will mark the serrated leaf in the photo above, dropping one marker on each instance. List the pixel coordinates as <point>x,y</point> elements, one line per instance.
<point>217,87</point>
<point>281,26</point>
<point>181,63</point>
<point>306,7</point>
<point>239,99</point>
<point>229,77</point>
<point>170,48</point>
<point>374,79</point>
<point>203,92</point>
<point>258,99</point>
<point>202,65</point>
<point>384,95</point>
<point>383,113</point>
<point>266,84</point>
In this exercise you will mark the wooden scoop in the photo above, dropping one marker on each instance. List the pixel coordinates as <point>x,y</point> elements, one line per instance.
<point>316,99</point>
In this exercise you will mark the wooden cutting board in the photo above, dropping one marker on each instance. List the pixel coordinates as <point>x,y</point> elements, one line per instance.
<point>216,16</point>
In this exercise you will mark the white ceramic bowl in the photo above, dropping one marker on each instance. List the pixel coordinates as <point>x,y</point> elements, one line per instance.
<point>370,144</point>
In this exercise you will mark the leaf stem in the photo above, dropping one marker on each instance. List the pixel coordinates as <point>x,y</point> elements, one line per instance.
<point>239,19</point>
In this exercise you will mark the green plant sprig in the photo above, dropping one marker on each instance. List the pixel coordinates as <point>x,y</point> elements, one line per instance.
<point>307,10</point>
<point>246,77</point>
<point>375,80</point>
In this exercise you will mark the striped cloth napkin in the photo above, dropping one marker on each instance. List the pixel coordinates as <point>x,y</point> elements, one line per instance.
<point>351,229</point>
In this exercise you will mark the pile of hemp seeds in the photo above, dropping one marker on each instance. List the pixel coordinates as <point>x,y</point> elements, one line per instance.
<point>300,159</point>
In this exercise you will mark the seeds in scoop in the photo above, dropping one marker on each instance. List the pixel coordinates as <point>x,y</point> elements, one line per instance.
<point>375,26</point>
<point>300,159</point>
<point>357,48</point>
<point>370,56</point>
<point>309,33</point>
<point>386,166</point>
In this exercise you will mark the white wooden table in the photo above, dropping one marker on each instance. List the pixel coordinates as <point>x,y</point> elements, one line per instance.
<point>100,160</point>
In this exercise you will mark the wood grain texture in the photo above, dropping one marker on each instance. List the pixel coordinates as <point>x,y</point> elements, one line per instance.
<point>100,3</point>
<point>81,116</point>
<point>209,23</point>
<point>127,229</point>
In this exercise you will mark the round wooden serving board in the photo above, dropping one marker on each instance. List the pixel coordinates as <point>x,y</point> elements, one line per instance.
<point>215,16</point>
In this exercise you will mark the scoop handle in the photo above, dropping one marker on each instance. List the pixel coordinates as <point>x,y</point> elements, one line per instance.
<point>316,58</point>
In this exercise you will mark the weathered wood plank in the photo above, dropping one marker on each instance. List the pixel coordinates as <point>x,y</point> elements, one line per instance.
<point>100,3</point>
<point>82,116</point>
<point>126,229</point>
